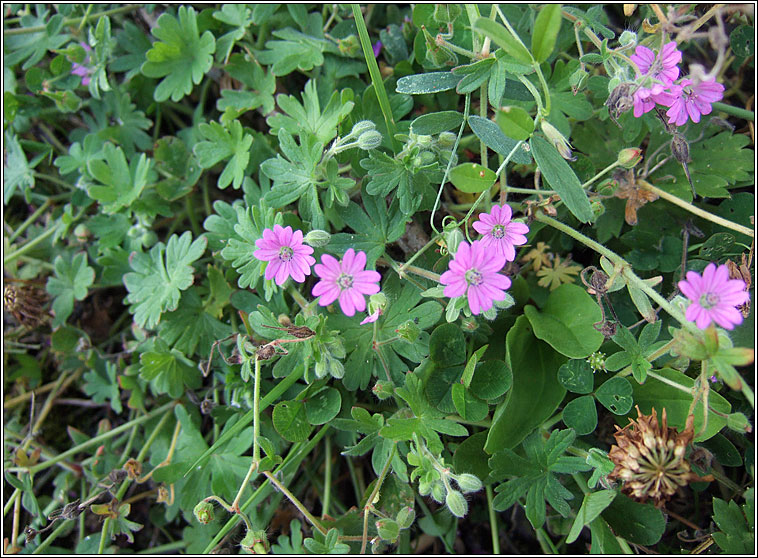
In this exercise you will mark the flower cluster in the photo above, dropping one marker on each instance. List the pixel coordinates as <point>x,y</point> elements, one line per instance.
<point>474,271</point>
<point>714,297</point>
<point>689,97</point>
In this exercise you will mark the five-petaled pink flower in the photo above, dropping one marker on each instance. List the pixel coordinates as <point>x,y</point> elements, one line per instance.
<point>474,272</point>
<point>499,232</point>
<point>662,67</point>
<point>286,254</point>
<point>690,99</point>
<point>347,280</point>
<point>82,70</point>
<point>714,297</point>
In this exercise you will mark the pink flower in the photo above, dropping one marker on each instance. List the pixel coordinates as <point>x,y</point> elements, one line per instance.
<point>645,99</point>
<point>691,99</point>
<point>663,67</point>
<point>474,272</point>
<point>345,280</point>
<point>714,297</point>
<point>371,318</point>
<point>81,69</point>
<point>286,254</point>
<point>500,232</point>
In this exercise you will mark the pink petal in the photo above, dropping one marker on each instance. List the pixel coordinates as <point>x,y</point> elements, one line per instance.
<point>346,303</point>
<point>347,261</point>
<point>481,228</point>
<point>473,301</point>
<point>328,293</point>
<point>272,269</point>
<point>282,273</point>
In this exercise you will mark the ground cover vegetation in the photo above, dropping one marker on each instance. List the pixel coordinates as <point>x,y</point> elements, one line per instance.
<point>455,278</point>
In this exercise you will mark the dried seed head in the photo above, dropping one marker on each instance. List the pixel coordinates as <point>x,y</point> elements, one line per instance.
<point>133,468</point>
<point>265,352</point>
<point>620,100</point>
<point>680,149</point>
<point>117,475</point>
<point>649,458</point>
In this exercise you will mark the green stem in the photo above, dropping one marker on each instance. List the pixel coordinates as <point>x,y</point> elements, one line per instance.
<point>376,76</point>
<point>93,441</point>
<point>419,252</point>
<point>748,115</point>
<point>10,501</point>
<point>472,11</point>
<point>462,51</point>
<point>536,94</point>
<point>257,412</point>
<point>70,21</point>
<point>164,548</point>
<point>606,170</point>
<point>28,246</point>
<point>545,89</point>
<point>370,502</point>
<point>327,477</point>
<point>297,503</point>
<point>493,521</point>
<point>671,383</point>
<point>31,219</point>
<point>189,206</point>
<point>695,210</point>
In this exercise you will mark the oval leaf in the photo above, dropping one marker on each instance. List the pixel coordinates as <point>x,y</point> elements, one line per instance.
<point>492,379</point>
<point>515,123</point>
<point>546,28</point>
<point>581,415</point>
<point>324,406</point>
<point>502,38</point>
<point>290,421</point>
<point>489,132</point>
<point>559,175</point>
<point>616,395</point>
<point>431,82</point>
<point>472,178</point>
<point>436,122</point>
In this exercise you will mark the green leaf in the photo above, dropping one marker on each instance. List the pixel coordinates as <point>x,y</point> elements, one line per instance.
<point>470,456</point>
<point>492,378</point>
<point>545,32</point>
<point>502,38</point>
<point>155,286</point>
<point>436,122</point>
<point>222,143</point>
<point>616,395</point>
<point>294,51</point>
<point>447,345</point>
<point>120,185</point>
<point>490,133</point>
<point>566,321</point>
<point>260,86</point>
<point>71,282</point>
<point>308,117</point>
<point>169,371</point>
<point>475,75</point>
<point>742,41</point>
<point>101,385</point>
<point>190,327</point>
<point>17,172</point>
<point>323,406</point>
<point>581,415</point>
<point>576,376</point>
<point>175,162</point>
<point>180,56</point>
<point>423,84</point>
<point>515,123</point>
<point>592,506</point>
<point>603,539</point>
<point>637,523</point>
<point>468,406</point>
<point>290,421</point>
<point>536,392</point>
<point>737,535</point>
<point>472,178</point>
<point>32,47</point>
<point>659,395</point>
<point>563,180</point>
<point>386,174</point>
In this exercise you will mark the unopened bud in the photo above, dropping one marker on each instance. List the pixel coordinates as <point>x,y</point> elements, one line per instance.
<point>598,208</point>
<point>629,157</point>
<point>81,232</point>
<point>453,237</point>
<point>680,149</point>
<point>383,389</point>
<point>348,46</point>
<point>317,238</point>
<point>362,126</point>
<point>456,503</point>
<point>255,541</point>
<point>369,140</point>
<point>405,517</point>
<point>468,483</point>
<point>438,492</point>
<point>446,140</point>
<point>577,79</point>
<point>557,139</point>
<point>409,331</point>
<point>627,38</point>
<point>738,422</point>
<point>204,512</point>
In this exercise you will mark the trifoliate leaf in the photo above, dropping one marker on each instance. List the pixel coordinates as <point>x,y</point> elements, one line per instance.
<point>155,284</point>
<point>181,56</point>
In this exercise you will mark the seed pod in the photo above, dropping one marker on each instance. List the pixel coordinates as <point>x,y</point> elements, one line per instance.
<point>265,352</point>
<point>204,512</point>
<point>456,503</point>
<point>468,483</point>
<point>680,149</point>
<point>619,101</point>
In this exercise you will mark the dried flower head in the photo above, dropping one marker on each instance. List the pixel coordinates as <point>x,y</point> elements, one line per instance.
<point>635,196</point>
<point>25,303</point>
<point>650,458</point>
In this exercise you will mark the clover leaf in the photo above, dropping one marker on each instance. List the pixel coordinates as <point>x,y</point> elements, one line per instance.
<point>155,284</point>
<point>72,280</point>
<point>181,57</point>
<point>222,143</point>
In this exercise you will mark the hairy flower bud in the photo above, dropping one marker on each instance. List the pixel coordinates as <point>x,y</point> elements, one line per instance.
<point>405,517</point>
<point>438,492</point>
<point>446,140</point>
<point>456,503</point>
<point>362,126</point>
<point>369,140</point>
<point>317,238</point>
<point>453,237</point>
<point>409,331</point>
<point>629,157</point>
<point>468,483</point>
<point>349,46</point>
<point>383,389</point>
<point>627,38</point>
<point>557,139</point>
<point>203,512</point>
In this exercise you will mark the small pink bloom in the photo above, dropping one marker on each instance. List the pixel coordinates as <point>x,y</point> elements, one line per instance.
<point>499,232</point>
<point>345,280</point>
<point>663,67</point>
<point>377,48</point>
<point>645,99</point>
<point>714,297</point>
<point>474,272</point>
<point>286,254</point>
<point>82,70</point>
<point>689,99</point>
<point>371,318</point>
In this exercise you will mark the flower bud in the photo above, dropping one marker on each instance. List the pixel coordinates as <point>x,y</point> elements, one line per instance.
<point>456,503</point>
<point>453,237</point>
<point>409,331</point>
<point>348,46</point>
<point>383,389</point>
<point>627,38</point>
<point>557,139</point>
<point>446,140</point>
<point>255,542</point>
<point>468,483</point>
<point>317,238</point>
<point>377,302</point>
<point>629,157</point>
<point>577,79</point>
<point>438,492</point>
<point>424,140</point>
<point>596,361</point>
<point>597,208</point>
<point>362,126</point>
<point>81,232</point>
<point>738,422</point>
<point>405,517</point>
<point>369,140</point>
<point>204,512</point>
